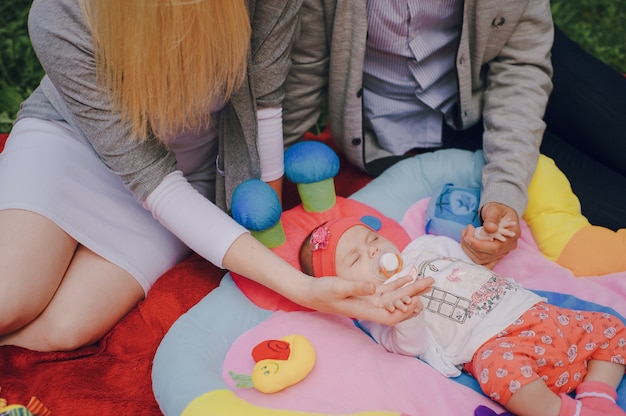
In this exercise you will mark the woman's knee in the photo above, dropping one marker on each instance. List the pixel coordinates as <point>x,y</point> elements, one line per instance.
<point>67,335</point>
<point>48,333</point>
<point>12,316</point>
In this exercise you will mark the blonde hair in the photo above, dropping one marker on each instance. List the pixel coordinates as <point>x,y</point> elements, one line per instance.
<point>167,62</point>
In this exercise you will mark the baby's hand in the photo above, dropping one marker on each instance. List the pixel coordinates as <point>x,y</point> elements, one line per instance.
<point>500,234</point>
<point>391,302</point>
<point>400,304</point>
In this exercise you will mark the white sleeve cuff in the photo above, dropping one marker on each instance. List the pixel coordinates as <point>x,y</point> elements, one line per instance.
<point>270,143</point>
<point>199,223</point>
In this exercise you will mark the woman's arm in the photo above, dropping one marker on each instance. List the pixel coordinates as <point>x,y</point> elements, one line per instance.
<point>248,257</point>
<point>218,238</point>
<point>274,27</point>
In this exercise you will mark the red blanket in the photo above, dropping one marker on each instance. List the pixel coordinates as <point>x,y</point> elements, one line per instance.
<point>113,376</point>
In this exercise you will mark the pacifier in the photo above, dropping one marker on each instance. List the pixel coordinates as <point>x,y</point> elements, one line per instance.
<point>385,264</point>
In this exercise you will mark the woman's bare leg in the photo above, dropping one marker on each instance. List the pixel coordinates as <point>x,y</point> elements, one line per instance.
<point>79,295</point>
<point>34,255</point>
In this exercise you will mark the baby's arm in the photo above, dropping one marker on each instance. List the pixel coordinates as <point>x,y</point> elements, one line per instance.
<point>409,337</point>
<point>500,235</point>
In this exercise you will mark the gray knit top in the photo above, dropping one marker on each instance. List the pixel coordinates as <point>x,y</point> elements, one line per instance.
<point>69,92</point>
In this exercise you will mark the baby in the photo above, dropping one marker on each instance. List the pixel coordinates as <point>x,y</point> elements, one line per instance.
<point>526,354</point>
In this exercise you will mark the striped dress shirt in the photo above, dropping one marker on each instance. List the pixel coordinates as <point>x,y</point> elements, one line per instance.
<point>409,76</point>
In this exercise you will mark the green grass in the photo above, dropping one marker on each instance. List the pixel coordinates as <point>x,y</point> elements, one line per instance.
<point>20,71</point>
<point>599,26</point>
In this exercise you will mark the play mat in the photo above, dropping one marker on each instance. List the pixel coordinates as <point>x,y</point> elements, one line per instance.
<point>199,365</point>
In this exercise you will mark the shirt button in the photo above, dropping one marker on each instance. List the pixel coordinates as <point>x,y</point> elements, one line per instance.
<point>359,93</point>
<point>356,141</point>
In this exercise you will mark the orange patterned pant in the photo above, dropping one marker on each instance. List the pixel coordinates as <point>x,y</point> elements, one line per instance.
<point>550,343</point>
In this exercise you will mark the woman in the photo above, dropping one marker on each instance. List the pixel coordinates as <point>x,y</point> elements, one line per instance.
<point>108,175</point>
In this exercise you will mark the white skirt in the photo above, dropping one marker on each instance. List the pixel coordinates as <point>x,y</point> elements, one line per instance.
<point>48,169</point>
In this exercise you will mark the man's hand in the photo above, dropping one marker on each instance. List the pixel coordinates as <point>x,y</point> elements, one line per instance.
<point>485,252</point>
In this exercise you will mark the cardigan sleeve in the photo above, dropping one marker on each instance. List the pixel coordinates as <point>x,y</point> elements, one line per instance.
<point>518,84</point>
<point>274,25</point>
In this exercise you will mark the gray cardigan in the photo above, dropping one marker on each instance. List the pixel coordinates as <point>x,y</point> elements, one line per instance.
<point>504,75</point>
<point>69,92</point>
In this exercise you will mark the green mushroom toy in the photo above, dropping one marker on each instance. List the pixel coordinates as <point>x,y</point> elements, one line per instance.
<point>312,166</point>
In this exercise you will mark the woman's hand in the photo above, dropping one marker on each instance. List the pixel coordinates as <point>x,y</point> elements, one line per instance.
<point>394,303</point>
<point>485,252</point>
<point>362,300</point>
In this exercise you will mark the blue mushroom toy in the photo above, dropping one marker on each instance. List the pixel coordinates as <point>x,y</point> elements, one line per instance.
<point>312,166</point>
<point>256,206</point>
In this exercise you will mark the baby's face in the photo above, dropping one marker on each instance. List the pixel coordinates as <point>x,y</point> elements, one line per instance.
<point>355,250</point>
